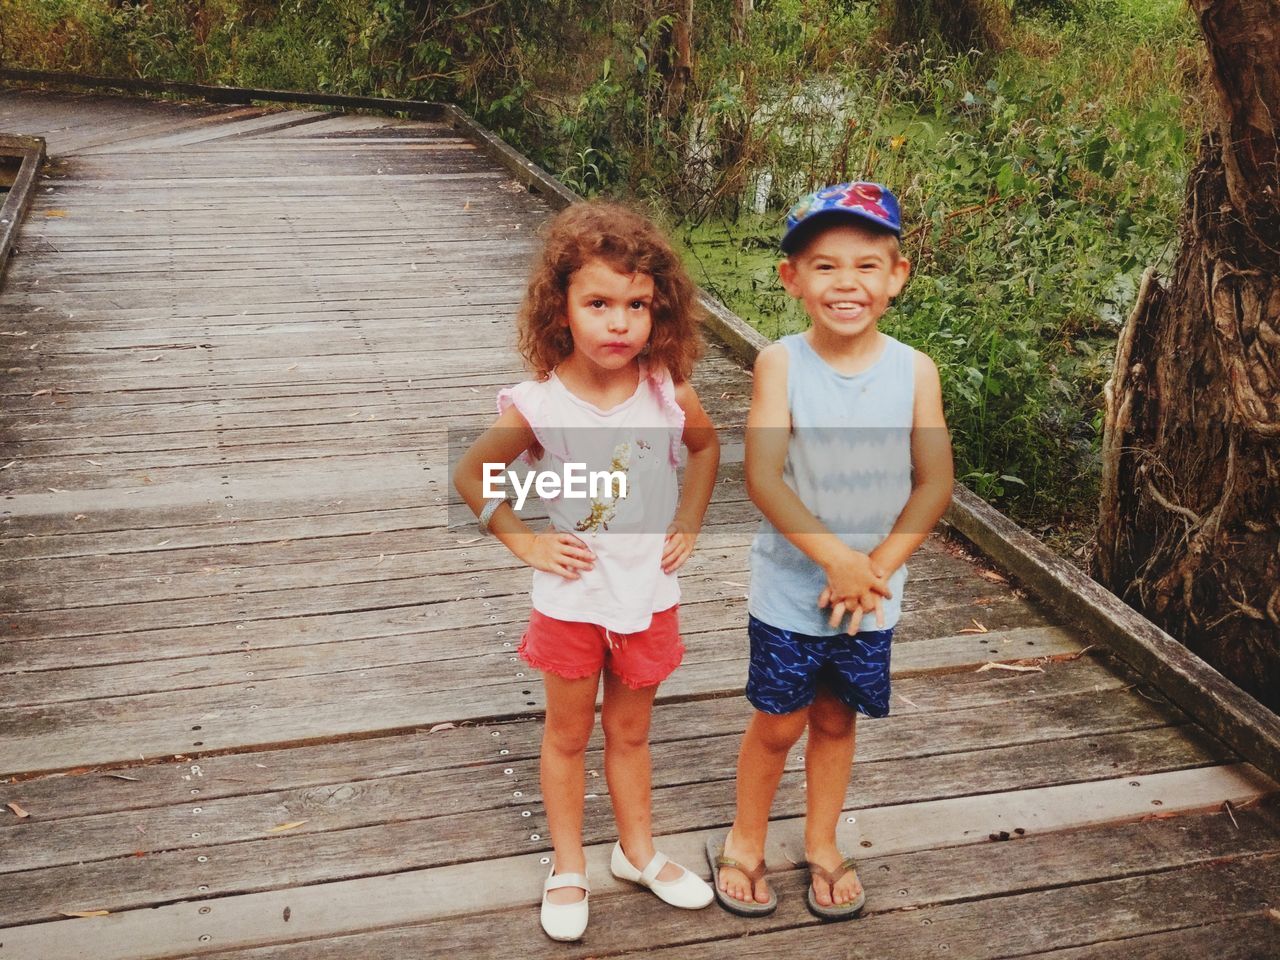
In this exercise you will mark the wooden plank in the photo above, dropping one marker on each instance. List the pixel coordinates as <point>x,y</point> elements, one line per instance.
<point>1199,689</point>
<point>346,834</point>
<point>1072,686</point>
<point>416,108</point>
<point>59,839</point>
<point>360,559</point>
<point>1115,909</point>
<point>256,711</point>
<point>1251,938</point>
<point>30,152</point>
<point>377,905</point>
<point>431,629</point>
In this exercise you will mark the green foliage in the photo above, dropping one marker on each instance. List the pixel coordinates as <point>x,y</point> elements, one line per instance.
<point>1038,182</point>
<point>1034,200</point>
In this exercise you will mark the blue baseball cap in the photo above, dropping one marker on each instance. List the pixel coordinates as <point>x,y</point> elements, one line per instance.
<point>869,203</point>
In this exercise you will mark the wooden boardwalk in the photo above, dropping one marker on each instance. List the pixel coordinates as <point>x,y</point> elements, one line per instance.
<point>260,700</point>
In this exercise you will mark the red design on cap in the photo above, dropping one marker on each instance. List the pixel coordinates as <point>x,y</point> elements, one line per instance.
<point>867,197</point>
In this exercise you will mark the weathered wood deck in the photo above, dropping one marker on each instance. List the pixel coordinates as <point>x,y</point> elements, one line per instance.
<point>234,614</point>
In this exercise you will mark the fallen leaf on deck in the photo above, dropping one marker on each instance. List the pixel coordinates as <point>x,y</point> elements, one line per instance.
<point>294,367</point>
<point>18,811</point>
<point>13,333</point>
<point>379,560</point>
<point>85,913</point>
<point>287,826</point>
<point>56,490</point>
<point>442,726</point>
<point>976,628</point>
<point>121,776</point>
<point>150,359</point>
<point>80,516</point>
<point>287,914</point>
<point>463,543</point>
<point>162,543</point>
<point>8,465</point>
<point>94,462</point>
<point>992,576</point>
<point>1015,667</point>
<point>41,393</point>
<point>55,213</point>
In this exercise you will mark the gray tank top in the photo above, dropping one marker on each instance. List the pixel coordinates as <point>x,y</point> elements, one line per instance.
<point>849,460</point>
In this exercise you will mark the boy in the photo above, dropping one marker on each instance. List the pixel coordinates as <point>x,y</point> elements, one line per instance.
<point>848,458</point>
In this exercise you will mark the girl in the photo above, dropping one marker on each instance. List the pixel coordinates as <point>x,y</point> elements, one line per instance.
<point>609,326</point>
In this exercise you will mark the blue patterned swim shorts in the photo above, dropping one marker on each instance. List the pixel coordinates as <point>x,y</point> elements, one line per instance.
<point>786,668</point>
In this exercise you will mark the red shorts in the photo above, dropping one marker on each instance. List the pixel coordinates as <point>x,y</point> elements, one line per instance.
<point>574,650</point>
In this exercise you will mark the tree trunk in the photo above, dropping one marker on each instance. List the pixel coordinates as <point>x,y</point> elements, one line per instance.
<point>741,10</point>
<point>950,26</point>
<point>1189,529</point>
<point>680,58</point>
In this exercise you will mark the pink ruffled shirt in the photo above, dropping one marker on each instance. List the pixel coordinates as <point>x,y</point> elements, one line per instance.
<point>640,437</point>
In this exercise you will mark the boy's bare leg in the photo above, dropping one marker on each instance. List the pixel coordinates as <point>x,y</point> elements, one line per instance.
<point>765,745</point>
<point>828,763</point>
<point>571,713</point>
<point>625,718</point>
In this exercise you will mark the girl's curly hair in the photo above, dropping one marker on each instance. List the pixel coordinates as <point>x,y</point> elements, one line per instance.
<point>629,243</point>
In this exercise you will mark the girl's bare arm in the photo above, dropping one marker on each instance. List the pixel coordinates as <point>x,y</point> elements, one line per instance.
<point>699,479</point>
<point>508,437</point>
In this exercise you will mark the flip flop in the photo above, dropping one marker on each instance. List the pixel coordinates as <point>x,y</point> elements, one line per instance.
<point>743,908</point>
<point>836,911</point>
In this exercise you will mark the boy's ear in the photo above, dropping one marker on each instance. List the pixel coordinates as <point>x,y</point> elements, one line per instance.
<point>898,274</point>
<point>787,274</point>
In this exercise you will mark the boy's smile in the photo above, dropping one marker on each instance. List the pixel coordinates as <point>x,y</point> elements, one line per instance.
<point>608,315</point>
<point>845,278</point>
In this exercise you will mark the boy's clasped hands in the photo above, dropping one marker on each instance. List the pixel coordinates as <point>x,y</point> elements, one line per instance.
<point>856,585</point>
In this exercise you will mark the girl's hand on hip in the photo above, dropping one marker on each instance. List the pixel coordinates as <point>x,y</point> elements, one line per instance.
<point>678,546</point>
<point>560,553</point>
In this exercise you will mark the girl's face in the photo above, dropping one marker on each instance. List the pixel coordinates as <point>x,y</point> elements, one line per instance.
<point>608,314</point>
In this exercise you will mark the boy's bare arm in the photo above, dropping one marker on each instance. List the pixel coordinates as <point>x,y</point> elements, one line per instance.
<point>932,471</point>
<point>768,434</point>
<point>508,437</point>
<point>699,479</point>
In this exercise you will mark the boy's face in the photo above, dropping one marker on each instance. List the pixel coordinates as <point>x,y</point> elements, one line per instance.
<point>845,277</point>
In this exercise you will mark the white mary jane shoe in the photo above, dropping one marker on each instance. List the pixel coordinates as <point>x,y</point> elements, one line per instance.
<point>565,921</point>
<point>689,891</point>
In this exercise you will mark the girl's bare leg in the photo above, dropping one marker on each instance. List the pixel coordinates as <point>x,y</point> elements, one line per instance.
<point>625,718</point>
<point>765,745</point>
<point>571,713</point>
<point>828,763</point>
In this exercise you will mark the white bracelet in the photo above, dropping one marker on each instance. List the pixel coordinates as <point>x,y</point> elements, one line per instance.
<point>486,514</point>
